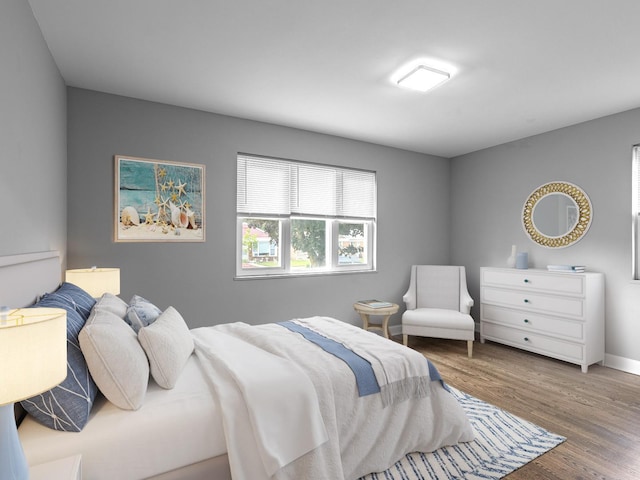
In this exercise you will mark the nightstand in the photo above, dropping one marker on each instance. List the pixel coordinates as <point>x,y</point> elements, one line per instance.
<point>68,468</point>
<point>366,312</point>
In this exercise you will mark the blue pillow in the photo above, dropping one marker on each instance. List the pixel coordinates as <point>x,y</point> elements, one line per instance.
<point>82,302</point>
<point>67,406</point>
<point>141,313</point>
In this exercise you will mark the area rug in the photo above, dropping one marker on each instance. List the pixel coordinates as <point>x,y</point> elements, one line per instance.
<point>503,444</point>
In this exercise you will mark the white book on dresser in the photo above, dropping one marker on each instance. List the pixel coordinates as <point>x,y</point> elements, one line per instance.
<point>560,315</point>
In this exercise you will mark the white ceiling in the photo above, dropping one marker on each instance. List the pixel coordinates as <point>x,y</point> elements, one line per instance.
<point>522,67</point>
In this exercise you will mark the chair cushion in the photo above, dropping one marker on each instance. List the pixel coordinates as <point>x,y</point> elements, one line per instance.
<point>438,286</point>
<point>438,318</point>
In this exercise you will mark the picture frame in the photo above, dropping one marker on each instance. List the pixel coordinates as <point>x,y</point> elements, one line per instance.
<point>158,200</point>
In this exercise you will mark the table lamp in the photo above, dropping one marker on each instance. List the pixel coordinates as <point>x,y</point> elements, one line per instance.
<point>95,281</point>
<point>33,358</point>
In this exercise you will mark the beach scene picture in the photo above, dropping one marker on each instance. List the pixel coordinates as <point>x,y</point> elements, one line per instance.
<point>158,201</point>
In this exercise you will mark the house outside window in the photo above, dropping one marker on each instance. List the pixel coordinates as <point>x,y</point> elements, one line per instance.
<point>296,218</point>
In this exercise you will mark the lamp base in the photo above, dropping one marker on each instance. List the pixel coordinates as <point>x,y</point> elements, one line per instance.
<point>13,463</point>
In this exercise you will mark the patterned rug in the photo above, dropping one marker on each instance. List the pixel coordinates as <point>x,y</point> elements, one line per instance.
<point>503,444</point>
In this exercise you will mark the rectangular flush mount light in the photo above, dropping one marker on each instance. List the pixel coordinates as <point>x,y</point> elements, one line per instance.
<point>423,78</point>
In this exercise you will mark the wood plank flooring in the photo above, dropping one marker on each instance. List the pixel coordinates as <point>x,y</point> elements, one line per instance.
<point>598,412</point>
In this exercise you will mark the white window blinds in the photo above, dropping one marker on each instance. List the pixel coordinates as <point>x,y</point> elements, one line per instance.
<point>267,186</point>
<point>263,186</point>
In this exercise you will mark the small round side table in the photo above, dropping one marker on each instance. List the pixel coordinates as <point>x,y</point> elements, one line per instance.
<point>386,312</point>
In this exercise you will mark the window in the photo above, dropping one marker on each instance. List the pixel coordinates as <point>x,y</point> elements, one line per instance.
<point>297,218</point>
<point>635,210</point>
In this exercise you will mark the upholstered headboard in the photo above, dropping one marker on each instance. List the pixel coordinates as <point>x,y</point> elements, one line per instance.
<point>24,278</point>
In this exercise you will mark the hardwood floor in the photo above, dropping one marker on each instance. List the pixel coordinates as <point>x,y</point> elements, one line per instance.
<point>598,412</point>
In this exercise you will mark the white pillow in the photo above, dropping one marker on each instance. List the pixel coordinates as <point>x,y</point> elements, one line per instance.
<point>115,359</point>
<point>168,344</point>
<point>113,304</point>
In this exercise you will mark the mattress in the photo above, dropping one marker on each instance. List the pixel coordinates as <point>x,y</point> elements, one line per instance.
<point>173,428</point>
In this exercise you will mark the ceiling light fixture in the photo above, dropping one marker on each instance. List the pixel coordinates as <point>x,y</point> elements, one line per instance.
<point>423,78</point>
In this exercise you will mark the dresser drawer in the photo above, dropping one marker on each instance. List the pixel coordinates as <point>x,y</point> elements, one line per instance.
<point>534,342</point>
<point>555,305</point>
<point>558,283</point>
<point>554,326</point>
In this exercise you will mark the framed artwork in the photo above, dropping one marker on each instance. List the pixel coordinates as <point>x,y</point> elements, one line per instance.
<point>158,201</point>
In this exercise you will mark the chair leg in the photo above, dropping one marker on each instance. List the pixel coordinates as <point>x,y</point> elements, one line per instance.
<point>405,339</point>
<point>470,348</point>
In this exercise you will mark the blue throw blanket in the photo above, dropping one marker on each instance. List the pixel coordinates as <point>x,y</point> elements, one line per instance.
<point>365,378</point>
<point>361,368</point>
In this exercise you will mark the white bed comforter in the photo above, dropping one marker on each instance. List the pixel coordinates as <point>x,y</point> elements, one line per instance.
<point>292,411</point>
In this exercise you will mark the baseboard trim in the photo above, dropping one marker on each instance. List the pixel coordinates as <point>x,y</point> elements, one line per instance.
<point>621,363</point>
<point>611,361</point>
<point>395,330</point>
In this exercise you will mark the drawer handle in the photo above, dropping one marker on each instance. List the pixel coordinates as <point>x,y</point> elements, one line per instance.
<point>526,280</point>
<point>526,320</point>
<point>526,339</point>
<point>526,300</point>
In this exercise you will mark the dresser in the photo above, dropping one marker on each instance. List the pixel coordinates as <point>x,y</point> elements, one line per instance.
<point>560,315</point>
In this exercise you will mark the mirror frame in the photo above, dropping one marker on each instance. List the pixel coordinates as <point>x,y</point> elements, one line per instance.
<point>585,214</point>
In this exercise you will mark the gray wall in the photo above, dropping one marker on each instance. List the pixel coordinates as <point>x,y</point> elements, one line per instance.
<point>33,156</point>
<point>418,195</point>
<point>198,278</point>
<point>489,188</point>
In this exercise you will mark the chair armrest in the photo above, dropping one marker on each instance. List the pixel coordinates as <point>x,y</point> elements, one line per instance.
<point>409,299</point>
<point>466,302</point>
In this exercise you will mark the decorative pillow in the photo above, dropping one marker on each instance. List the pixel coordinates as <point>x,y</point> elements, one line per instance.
<point>67,406</point>
<point>115,358</point>
<point>141,313</point>
<point>81,301</point>
<point>113,304</point>
<point>168,344</point>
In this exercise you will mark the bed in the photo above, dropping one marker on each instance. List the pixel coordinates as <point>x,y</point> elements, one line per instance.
<point>326,420</point>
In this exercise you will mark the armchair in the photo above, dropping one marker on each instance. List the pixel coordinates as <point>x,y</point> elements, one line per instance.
<point>438,305</point>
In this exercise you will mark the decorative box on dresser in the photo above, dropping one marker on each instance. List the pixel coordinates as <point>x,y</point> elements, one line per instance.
<point>560,315</point>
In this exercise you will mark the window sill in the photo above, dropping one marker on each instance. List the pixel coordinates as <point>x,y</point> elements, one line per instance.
<point>302,275</point>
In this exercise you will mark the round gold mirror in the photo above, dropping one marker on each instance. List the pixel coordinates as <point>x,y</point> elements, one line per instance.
<point>557,214</point>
